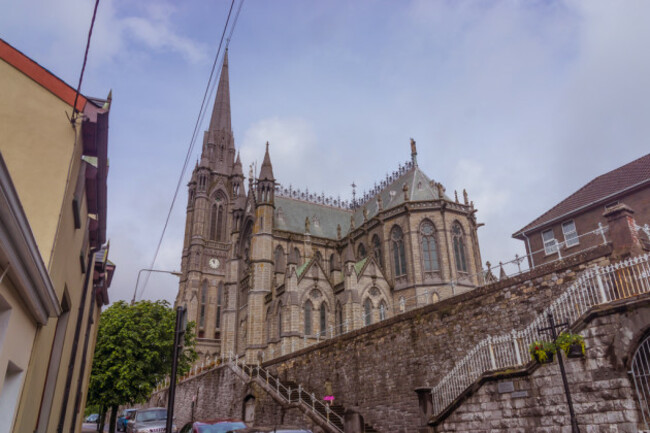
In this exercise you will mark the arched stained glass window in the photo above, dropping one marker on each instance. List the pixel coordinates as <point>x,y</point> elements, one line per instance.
<point>361,252</point>
<point>376,250</point>
<point>278,257</point>
<point>399,258</point>
<point>323,318</point>
<point>459,247</point>
<point>308,310</point>
<point>367,312</point>
<point>429,247</point>
<point>296,251</point>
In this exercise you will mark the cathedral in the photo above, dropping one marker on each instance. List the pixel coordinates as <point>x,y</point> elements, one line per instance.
<point>268,270</point>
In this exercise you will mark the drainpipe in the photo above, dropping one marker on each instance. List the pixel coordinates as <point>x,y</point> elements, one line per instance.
<point>82,372</point>
<point>530,254</point>
<point>75,343</point>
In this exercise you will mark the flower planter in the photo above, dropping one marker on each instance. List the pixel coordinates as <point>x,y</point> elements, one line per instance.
<point>548,360</point>
<point>575,351</point>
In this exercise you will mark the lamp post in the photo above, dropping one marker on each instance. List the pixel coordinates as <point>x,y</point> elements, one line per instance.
<point>552,329</point>
<point>135,290</point>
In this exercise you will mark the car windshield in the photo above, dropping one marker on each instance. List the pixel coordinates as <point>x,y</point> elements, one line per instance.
<point>151,415</point>
<point>221,427</point>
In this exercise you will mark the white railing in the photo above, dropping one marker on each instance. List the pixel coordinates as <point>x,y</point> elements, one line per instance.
<point>596,285</point>
<point>296,395</point>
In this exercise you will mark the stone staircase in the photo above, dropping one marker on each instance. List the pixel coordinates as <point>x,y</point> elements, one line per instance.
<point>330,417</point>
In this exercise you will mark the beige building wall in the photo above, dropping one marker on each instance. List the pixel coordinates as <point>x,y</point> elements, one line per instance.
<point>17,331</point>
<point>43,154</point>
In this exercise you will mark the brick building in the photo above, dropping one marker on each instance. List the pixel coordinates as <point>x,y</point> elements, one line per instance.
<point>268,270</point>
<point>573,224</point>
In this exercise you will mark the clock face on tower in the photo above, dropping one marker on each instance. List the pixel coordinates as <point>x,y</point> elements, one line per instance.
<point>214,263</point>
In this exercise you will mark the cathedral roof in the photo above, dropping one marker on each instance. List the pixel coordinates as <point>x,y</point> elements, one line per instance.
<point>419,189</point>
<point>290,216</point>
<point>290,213</point>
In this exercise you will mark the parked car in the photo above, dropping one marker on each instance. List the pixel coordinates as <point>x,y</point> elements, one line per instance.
<point>274,429</point>
<point>222,425</point>
<point>93,417</point>
<point>123,419</point>
<point>152,420</point>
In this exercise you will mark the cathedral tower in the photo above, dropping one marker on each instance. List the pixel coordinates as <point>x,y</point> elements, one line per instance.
<point>213,193</point>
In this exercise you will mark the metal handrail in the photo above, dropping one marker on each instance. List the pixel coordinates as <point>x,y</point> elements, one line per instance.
<point>311,403</point>
<point>595,286</point>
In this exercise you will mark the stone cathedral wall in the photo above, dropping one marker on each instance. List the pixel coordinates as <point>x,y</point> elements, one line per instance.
<point>376,370</point>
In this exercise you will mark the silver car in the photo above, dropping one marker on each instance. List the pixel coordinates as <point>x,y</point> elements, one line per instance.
<point>151,420</point>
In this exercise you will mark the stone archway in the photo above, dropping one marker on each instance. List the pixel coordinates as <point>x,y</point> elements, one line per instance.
<point>249,409</point>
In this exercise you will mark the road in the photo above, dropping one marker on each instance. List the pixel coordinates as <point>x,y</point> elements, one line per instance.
<point>88,427</point>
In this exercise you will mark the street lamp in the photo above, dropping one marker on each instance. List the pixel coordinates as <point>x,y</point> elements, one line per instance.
<point>135,290</point>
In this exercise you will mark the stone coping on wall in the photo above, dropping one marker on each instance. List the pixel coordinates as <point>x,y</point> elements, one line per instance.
<point>621,305</point>
<point>575,260</point>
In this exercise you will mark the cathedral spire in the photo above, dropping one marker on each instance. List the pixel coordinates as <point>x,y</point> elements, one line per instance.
<point>220,120</point>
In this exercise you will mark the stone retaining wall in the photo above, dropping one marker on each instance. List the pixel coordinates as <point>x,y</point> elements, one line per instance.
<point>376,370</point>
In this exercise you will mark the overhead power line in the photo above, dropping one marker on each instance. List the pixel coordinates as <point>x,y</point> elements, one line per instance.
<point>83,66</point>
<point>197,125</point>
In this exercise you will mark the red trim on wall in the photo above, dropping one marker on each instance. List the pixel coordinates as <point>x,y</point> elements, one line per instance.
<point>41,75</point>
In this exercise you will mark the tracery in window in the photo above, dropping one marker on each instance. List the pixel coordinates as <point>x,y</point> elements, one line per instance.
<point>382,310</point>
<point>429,247</point>
<point>399,258</point>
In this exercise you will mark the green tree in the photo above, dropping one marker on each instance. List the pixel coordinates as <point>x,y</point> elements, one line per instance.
<point>134,352</point>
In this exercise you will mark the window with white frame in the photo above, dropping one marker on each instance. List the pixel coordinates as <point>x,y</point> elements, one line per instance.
<point>550,244</point>
<point>570,233</point>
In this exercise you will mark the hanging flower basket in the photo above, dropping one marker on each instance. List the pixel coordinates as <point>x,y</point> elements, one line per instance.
<point>573,345</point>
<point>542,351</point>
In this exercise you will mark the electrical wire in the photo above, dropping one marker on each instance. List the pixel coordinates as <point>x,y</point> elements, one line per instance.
<point>197,126</point>
<point>83,66</point>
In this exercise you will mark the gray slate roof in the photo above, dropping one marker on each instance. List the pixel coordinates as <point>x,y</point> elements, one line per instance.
<point>290,213</point>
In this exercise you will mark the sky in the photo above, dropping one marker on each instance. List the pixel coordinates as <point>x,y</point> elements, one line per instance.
<point>519,102</point>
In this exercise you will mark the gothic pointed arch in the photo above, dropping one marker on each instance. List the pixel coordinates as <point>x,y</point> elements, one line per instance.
<point>376,250</point>
<point>367,312</point>
<point>323,318</point>
<point>279,258</point>
<point>397,246</point>
<point>218,215</point>
<point>459,245</point>
<point>308,317</point>
<point>361,251</point>
<point>429,247</point>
